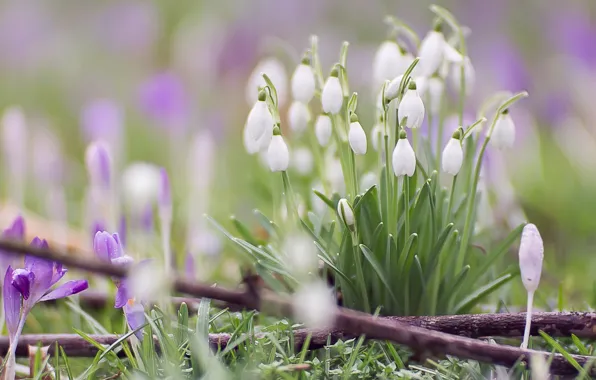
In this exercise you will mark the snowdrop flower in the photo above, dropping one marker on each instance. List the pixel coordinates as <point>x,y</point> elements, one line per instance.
<point>431,52</point>
<point>302,160</point>
<point>300,253</point>
<point>323,129</point>
<point>298,116</point>
<point>278,155</point>
<point>356,136</point>
<point>141,182</point>
<point>435,93</point>
<point>387,63</point>
<point>148,282</point>
<point>411,108</point>
<point>345,212</point>
<point>368,180</point>
<point>276,71</point>
<point>377,136</point>
<point>314,305</point>
<point>503,134</point>
<point>392,89</point>
<point>531,253</point>
<point>332,96</point>
<point>453,154</point>
<point>403,159</point>
<point>469,75</point>
<point>259,122</point>
<point>303,82</point>
<point>335,175</point>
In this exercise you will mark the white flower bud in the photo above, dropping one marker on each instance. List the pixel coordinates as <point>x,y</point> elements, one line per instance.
<point>453,157</point>
<point>332,97</point>
<point>368,180</point>
<point>435,93</point>
<point>412,108</point>
<point>531,253</point>
<point>303,83</point>
<point>148,282</point>
<point>278,155</point>
<point>276,71</point>
<point>323,129</point>
<point>503,134</point>
<point>302,160</point>
<point>346,214</point>
<point>432,50</point>
<point>469,76</point>
<point>376,137</point>
<point>141,182</point>
<point>357,138</point>
<point>451,54</point>
<point>298,117</point>
<point>391,90</point>
<point>335,175</point>
<point>404,158</point>
<point>314,305</point>
<point>387,63</point>
<point>259,120</point>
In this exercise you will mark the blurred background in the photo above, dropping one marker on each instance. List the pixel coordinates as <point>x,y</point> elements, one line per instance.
<point>151,76</point>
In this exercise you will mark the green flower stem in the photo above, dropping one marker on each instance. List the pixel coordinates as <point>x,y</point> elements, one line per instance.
<point>406,188</point>
<point>319,161</point>
<point>440,127</point>
<point>451,196</point>
<point>359,272</point>
<point>287,187</point>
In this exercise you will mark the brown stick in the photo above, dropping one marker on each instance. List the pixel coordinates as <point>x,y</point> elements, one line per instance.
<point>419,339</point>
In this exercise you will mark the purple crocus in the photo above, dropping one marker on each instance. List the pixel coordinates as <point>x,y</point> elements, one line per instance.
<point>109,248</point>
<point>164,99</point>
<point>25,287</point>
<point>16,231</point>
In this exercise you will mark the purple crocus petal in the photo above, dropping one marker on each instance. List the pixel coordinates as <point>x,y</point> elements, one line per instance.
<point>42,269</point>
<point>574,34</point>
<point>189,266</point>
<point>97,226</point>
<point>59,272</point>
<point>510,67</point>
<point>99,163</point>
<point>135,316</point>
<point>12,303</point>
<point>67,289</point>
<point>122,231</point>
<point>147,219</point>
<point>16,230</point>
<point>123,261</point>
<point>22,280</point>
<point>164,99</point>
<point>101,119</point>
<point>165,194</point>
<point>122,295</point>
<point>106,247</point>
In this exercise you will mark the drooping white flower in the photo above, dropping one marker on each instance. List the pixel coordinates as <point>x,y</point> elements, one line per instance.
<point>387,63</point>
<point>141,184</point>
<point>334,174</point>
<point>368,180</point>
<point>356,136</point>
<point>503,134</point>
<point>253,146</point>
<point>404,158</point>
<point>453,155</point>
<point>276,71</point>
<point>259,119</point>
<point>303,83</point>
<point>431,53</point>
<point>451,54</point>
<point>411,108</point>
<point>435,93</point>
<point>300,253</point>
<point>278,155</point>
<point>302,160</point>
<point>332,97</point>
<point>298,116</point>
<point>345,212</point>
<point>323,129</point>
<point>469,76</point>
<point>314,305</point>
<point>531,253</point>
<point>392,89</point>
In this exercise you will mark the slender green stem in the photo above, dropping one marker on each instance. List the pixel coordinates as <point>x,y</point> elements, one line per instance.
<point>354,173</point>
<point>319,162</point>
<point>406,187</point>
<point>359,272</point>
<point>291,201</point>
<point>451,196</point>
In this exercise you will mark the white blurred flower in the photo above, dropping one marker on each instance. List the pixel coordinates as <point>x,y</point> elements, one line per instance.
<point>303,83</point>
<point>276,71</point>
<point>404,158</point>
<point>332,97</point>
<point>431,53</point>
<point>301,253</point>
<point>147,281</point>
<point>141,182</point>
<point>314,305</point>
<point>531,253</point>
<point>469,76</point>
<point>278,155</point>
<point>345,212</point>
<point>298,116</point>
<point>387,63</point>
<point>302,160</point>
<point>334,173</point>
<point>453,157</point>
<point>357,138</point>
<point>539,366</point>
<point>368,180</point>
<point>411,107</point>
<point>376,137</point>
<point>392,89</point>
<point>259,120</point>
<point>503,134</point>
<point>323,129</point>
<point>435,93</point>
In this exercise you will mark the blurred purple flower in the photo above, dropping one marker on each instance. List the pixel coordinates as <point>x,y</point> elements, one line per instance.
<point>509,67</point>
<point>164,99</point>
<point>48,162</point>
<point>189,266</point>
<point>16,231</point>
<point>109,248</point>
<point>573,34</point>
<point>102,119</point>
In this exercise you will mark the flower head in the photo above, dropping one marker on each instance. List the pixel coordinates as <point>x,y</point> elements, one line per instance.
<point>303,82</point>
<point>313,305</point>
<point>164,99</point>
<point>411,108</point>
<point>298,116</point>
<point>356,136</point>
<point>276,71</point>
<point>278,155</point>
<point>503,134</point>
<point>332,96</point>
<point>98,162</point>
<point>323,129</point>
<point>531,253</point>
<point>16,231</point>
<point>387,63</point>
<point>453,154</point>
<point>404,158</point>
<point>345,212</point>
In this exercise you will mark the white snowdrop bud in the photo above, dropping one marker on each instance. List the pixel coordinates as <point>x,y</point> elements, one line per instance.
<point>259,119</point>
<point>276,71</point>
<point>303,82</point>
<point>432,50</point>
<point>421,85</point>
<point>141,183</point>
<point>503,134</point>
<point>469,76</point>
<point>368,180</point>
<point>278,155</point>
<point>392,89</point>
<point>404,158</point>
<point>323,129</point>
<point>531,253</point>
<point>302,160</point>
<point>435,93</point>
<point>451,54</point>
<point>335,175</point>
<point>376,137</point>
<point>411,108</point>
<point>314,305</point>
<point>386,63</point>
<point>453,154</point>
<point>345,212</point>
<point>539,365</point>
<point>356,136</point>
<point>332,97</point>
<point>298,117</point>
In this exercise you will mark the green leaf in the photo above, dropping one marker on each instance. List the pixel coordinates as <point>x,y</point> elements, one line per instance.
<point>266,223</point>
<point>335,269</point>
<point>272,88</point>
<point>509,102</point>
<point>353,103</point>
<point>66,364</point>
<point>471,300</point>
<point>554,344</point>
<point>182,328</point>
<point>580,346</point>
<point>447,16</point>
<point>122,338</point>
<point>327,201</point>
<point>378,269</point>
<point>202,328</point>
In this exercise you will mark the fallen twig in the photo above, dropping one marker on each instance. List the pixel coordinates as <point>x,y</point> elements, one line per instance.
<point>419,339</point>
